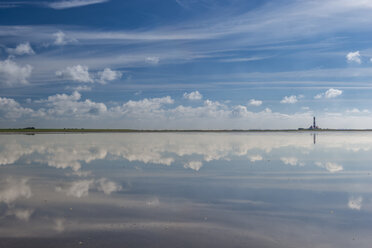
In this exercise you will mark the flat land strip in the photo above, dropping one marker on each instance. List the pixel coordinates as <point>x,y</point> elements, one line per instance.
<point>73,130</point>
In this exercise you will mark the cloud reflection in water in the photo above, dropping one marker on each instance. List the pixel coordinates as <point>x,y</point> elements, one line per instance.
<point>244,187</point>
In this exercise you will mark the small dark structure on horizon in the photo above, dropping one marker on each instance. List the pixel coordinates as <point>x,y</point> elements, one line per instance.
<point>29,128</point>
<point>314,126</point>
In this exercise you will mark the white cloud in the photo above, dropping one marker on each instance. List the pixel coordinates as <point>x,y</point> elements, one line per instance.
<point>108,186</point>
<point>319,96</point>
<point>78,73</point>
<point>59,225</point>
<point>60,38</point>
<point>81,74</point>
<point>10,109</point>
<point>194,165</point>
<point>152,60</point>
<point>357,111</point>
<point>353,111</point>
<point>75,96</point>
<point>15,189</point>
<point>290,161</point>
<point>21,49</point>
<point>108,75</point>
<point>330,93</point>
<point>158,113</point>
<point>73,3</point>
<point>354,57</point>
<point>70,106</point>
<point>21,214</point>
<point>254,102</point>
<point>195,95</point>
<point>80,188</point>
<point>12,74</point>
<point>355,203</point>
<point>255,158</point>
<point>145,108</point>
<point>154,202</point>
<point>79,88</point>
<point>330,166</point>
<point>289,99</point>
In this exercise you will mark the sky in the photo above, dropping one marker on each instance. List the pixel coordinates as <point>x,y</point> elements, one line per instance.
<point>185,64</point>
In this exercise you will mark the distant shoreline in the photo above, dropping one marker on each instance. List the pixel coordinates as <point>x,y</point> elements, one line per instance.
<point>72,130</point>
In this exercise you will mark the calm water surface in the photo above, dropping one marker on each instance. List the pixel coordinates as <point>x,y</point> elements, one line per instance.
<point>186,190</point>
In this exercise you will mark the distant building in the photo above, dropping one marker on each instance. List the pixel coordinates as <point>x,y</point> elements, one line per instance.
<point>314,126</point>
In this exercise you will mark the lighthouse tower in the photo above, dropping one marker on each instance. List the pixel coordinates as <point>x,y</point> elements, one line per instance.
<point>314,126</point>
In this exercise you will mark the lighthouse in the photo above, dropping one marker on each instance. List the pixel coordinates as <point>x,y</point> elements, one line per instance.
<point>314,126</point>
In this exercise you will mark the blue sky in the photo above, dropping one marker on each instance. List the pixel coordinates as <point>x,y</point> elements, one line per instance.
<point>185,64</point>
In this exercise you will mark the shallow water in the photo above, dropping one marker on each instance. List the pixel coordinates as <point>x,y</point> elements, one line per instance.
<point>186,190</point>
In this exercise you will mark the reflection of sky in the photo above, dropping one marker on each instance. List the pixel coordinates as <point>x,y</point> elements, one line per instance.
<point>221,189</point>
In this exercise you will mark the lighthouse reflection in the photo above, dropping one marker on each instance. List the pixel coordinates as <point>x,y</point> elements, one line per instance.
<point>170,189</point>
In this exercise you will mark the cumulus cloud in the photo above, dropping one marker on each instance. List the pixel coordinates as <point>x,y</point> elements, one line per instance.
<point>61,39</point>
<point>357,111</point>
<point>15,189</point>
<point>22,49</point>
<point>330,166</point>
<point>78,73</point>
<point>289,99</point>
<point>108,186</point>
<point>319,96</point>
<point>152,60</point>
<point>59,225</point>
<point>154,202</point>
<point>330,93</point>
<point>59,106</point>
<point>254,102</point>
<point>195,95</point>
<point>10,109</point>
<point>153,113</point>
<point>146,108</point>
<point>12,74</point>
<point>354,57</point>
<point>63,106</point>
<point>355,203</point>
<point>255,158</point>
<point>21,214</point>
<point>108,75</point>
<point>81,74</point>
<point>194,165</point>
<point>75,96</point>
<point>72,3</point>
<point>291,161</point>
<point>80,189</point>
